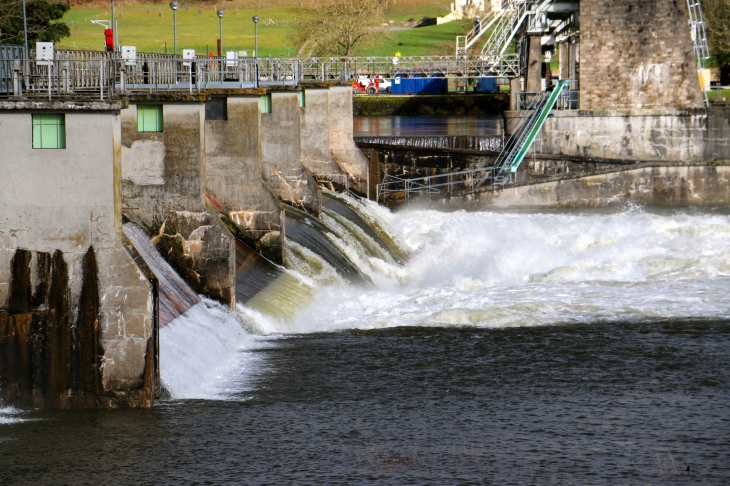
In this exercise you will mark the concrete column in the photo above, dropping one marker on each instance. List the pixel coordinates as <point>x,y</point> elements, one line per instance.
<point>573,73</point>
<point>282,171</point>
<point>565,59</point>
<point>515,87</point>
<point>533,84</point>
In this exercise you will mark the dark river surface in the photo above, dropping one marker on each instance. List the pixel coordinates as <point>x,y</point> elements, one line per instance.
<point>425,126</point>
<point>511,348</point>
<point>619,403</point>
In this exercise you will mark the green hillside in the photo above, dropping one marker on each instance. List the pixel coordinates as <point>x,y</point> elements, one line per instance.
<point>150,29</point>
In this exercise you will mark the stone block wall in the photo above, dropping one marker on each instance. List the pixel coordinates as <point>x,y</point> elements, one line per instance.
<point>637,55</point>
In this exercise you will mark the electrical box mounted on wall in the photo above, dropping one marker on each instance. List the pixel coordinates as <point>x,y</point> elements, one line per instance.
<point>44,53</point>
<point>129,54</point>
<point>188,55</point>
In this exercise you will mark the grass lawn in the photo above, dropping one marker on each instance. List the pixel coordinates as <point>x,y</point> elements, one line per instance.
<point>718,94</point>
<point>150,29</point>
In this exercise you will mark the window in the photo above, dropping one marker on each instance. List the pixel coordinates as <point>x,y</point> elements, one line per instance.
<point>149,118</point>
<point>265,103</point>
<point>216,109</point>
<point>49,131</point>
<point>302,102</point>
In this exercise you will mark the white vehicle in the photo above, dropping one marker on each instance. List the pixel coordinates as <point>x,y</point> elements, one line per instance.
<point>378,84</point>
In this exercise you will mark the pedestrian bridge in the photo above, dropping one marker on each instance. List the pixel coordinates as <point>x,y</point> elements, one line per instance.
<point>103,75</point>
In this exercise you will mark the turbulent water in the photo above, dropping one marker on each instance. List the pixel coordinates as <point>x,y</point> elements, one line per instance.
<point>508,347</point>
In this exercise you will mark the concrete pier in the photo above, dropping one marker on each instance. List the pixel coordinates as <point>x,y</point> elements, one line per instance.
<point>342,146</point>
<point>163,167</point>
<point>282,171</point>
<point>233,169</point>
<point>316,140</point>
<point>77,316</point>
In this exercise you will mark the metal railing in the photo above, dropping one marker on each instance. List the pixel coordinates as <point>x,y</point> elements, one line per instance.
<point>567,100</point>
<point>500,173</point>
<point>58,78</point>
<point>101,74</point>
<point>443,184</point>
<point>501,37</point>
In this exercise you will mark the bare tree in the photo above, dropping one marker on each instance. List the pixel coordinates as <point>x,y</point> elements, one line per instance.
<point>337,27</point>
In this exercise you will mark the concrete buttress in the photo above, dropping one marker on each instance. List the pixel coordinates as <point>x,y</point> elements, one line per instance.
<point>163,160</point>
<point>77,316</point>
<point>281,168</point>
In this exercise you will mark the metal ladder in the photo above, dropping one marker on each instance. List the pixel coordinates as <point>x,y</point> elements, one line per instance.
<point>521,142</point>
<point>699,36</point>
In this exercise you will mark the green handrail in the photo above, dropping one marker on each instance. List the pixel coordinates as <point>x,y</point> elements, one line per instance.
<point>515,163</point>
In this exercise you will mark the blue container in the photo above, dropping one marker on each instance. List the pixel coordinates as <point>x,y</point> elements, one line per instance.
<point>486,85</point>
<point>419,85</point>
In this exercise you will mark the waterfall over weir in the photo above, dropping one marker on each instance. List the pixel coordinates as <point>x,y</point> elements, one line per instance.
<point>363,267</point>
<point>175,295</point>
<point>204,345</point>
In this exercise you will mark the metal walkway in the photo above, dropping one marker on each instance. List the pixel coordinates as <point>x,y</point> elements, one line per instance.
<point>78,74</point>
<point>499,174</point>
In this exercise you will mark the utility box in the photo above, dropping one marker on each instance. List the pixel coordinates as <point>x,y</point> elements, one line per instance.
<point>188,56</point>
<point>486,85</point>
<point>129,54</point>
<point>231,58</point>
<point>44,53</point>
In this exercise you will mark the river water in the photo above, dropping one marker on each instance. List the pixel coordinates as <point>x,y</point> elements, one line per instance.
<point>563,347</point>
<point>426,126</point>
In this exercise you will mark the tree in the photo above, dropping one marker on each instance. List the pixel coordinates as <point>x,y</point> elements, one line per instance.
<point>338,26</point>
<point>717,16</point>
<point>43,21</point>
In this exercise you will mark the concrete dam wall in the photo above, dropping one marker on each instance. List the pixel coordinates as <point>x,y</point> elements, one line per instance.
<point>204,177</point>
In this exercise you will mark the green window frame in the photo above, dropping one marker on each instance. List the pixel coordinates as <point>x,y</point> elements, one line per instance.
<point>49,131</point>
<point>265,103</point>
<point>302,99</point>
<point>149,118</point>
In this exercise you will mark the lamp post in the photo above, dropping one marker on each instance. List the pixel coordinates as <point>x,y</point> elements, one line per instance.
<point>255,19</point>
<point>220,14</point>
<point>174,6</point>
<point>25,29</point>
<point>113,27</point>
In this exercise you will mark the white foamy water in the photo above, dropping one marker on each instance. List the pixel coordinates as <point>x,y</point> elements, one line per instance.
<point>11,415</point>
<point>207,353</point>
<point>515,269</point>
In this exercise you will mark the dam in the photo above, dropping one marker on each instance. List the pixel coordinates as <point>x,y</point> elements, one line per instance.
<point>269,293</point>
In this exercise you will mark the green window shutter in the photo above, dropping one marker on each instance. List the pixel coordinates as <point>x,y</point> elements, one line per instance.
<point>149,118</point>
<point>49,131</point>
<point>265,103</point>
<point>302,102</point>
